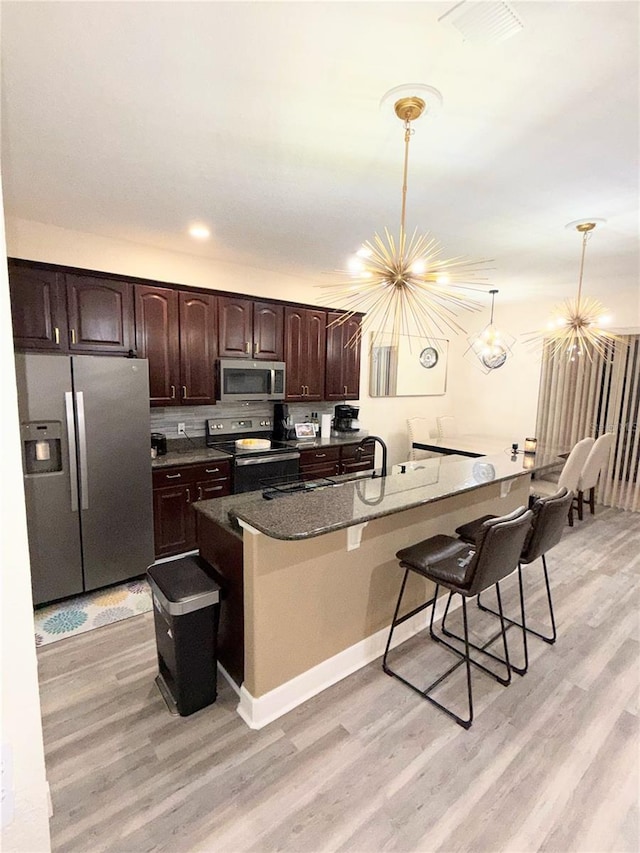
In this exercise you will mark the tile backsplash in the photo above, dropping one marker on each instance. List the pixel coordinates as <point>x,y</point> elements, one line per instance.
<point>166,419</point>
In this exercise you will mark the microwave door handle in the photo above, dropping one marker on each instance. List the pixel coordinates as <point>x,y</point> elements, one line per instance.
<point>82,445</point>
<point>71,441</point>
<point>273,380</point>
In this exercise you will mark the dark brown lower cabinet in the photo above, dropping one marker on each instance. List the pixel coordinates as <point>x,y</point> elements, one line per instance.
<point>338,459</point>
<point>319,462</point>
<point>175,490</point>
<point>352,460</point>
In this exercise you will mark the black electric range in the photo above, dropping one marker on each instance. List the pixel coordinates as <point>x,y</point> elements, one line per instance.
<point>252,468</point>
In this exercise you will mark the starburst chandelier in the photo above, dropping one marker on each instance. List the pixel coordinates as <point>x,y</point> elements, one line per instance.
<point>576,329</point>
<point>491,347</point>
<point>403,285</point>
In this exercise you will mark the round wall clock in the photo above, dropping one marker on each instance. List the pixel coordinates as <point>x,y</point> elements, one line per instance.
<point>429,357</point>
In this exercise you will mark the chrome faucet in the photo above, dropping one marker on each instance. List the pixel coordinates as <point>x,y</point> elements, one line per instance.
<point>383,446</point>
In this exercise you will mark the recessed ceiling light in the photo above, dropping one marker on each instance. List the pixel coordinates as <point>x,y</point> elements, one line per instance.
<point>199,232</point>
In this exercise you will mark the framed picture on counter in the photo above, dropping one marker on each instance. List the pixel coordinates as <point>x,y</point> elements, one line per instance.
<point>305,431</point>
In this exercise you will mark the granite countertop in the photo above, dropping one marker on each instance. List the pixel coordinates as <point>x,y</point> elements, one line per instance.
<point>185,452</point>
<point>336,440</point>
<point>313,513</point>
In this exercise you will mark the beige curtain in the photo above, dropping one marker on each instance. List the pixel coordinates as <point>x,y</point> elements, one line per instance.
<point>582,397</point>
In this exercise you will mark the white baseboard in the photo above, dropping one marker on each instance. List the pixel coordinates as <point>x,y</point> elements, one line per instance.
<point>258,712</point>
<point>228,678</point>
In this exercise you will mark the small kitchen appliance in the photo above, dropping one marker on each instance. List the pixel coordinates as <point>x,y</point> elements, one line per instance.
<point>159,443</point>
<point>345,419</point>
<point>242,379</point>
<point>282,430</point>
<point>253,465</point>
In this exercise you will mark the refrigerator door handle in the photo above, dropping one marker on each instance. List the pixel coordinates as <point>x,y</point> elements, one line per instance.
<point>82,446</point>
<point>71,439</point>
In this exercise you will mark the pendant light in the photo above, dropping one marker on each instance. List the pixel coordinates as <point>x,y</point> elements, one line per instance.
<point>403,284</point>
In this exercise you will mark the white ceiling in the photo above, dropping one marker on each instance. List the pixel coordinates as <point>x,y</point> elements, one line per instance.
<point>262,119</point>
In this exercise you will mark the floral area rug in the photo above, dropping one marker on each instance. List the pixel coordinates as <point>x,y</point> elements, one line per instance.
<point>91,610</point>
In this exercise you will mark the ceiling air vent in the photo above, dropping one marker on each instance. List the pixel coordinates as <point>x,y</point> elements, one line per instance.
<point>482,21</point>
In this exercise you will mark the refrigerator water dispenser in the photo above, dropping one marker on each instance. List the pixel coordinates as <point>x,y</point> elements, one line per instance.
<point>42,447</point>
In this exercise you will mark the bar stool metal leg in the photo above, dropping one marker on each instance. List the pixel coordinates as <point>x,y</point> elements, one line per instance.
<point>547,638</point>
<point>465,722</point>
<point>504,661</point>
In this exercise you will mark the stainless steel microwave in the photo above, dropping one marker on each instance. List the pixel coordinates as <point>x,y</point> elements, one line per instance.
<point>241,379</point>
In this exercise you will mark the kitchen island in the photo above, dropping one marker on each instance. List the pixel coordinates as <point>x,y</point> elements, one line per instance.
<point>312,578</point>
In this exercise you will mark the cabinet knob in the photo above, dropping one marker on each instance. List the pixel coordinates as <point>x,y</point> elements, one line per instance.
<point>345,391</point>
<point>173,392</point>
<point>56,335</point>
<point>184,392</point>
<point>247,347</point>
<point>211,470</point>
<point>188,496</point>
<point>73,336</point>
<point>173,476</point>
<point>199,493</point>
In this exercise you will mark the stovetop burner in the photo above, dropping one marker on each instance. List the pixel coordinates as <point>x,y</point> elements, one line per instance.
<point>231,448</point>
<point>222,434</point>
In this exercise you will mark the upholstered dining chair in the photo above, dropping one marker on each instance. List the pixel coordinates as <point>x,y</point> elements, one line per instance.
<point>596,462</point>
<point>466,570</point>
<point>418,429</point>
<point>569,475</point>
<point>446,426</point>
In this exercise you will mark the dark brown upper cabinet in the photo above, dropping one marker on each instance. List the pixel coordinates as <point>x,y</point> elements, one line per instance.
<point>268,331</point>
<point>64,312</point>
<point>250,329</point>
<point>304,353</point>
<point>343,359</point>
<point>100,315</point>
<point>38,308</point>
<point>158,339</point>
<point>198,348</point>
<point>176,332</point>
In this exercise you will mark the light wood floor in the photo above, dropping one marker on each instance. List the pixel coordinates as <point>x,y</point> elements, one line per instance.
<point>551,763</point>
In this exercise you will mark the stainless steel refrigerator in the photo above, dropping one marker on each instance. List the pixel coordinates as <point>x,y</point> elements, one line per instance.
<point>87,470</point>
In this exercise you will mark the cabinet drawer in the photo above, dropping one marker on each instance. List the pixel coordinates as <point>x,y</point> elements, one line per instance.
<point>207,489</point>
<point>315,472</point>
<point>184,474</point>
<point>174,476</point>
<point>217,469</point>
<point>349,451</point>
<point>319,456</point>
<point>365,464</point>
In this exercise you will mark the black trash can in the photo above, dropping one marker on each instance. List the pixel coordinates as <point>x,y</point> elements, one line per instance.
<point>186,610</point>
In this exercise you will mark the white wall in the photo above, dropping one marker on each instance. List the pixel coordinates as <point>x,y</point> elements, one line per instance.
<point>37,241</point>
<point>28,831</point>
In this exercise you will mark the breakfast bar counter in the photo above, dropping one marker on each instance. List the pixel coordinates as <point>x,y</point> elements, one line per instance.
<point>311,578</point>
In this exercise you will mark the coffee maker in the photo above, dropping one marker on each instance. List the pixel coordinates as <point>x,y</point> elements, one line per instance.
<point>281,430</point>
<point>344,418</point>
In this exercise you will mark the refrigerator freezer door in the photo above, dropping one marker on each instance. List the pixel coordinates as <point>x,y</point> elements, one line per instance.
<point>52,514</point>
<point>114,467</point>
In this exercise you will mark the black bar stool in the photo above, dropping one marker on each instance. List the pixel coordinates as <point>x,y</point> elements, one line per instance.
<point>547,526</point>
<point>466,570</point>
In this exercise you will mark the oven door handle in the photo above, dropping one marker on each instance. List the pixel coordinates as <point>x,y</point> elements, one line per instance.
<point>262,460</point>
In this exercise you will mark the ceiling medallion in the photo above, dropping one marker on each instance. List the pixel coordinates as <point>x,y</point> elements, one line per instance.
<point>576,329</point>
<point>402,284</point>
